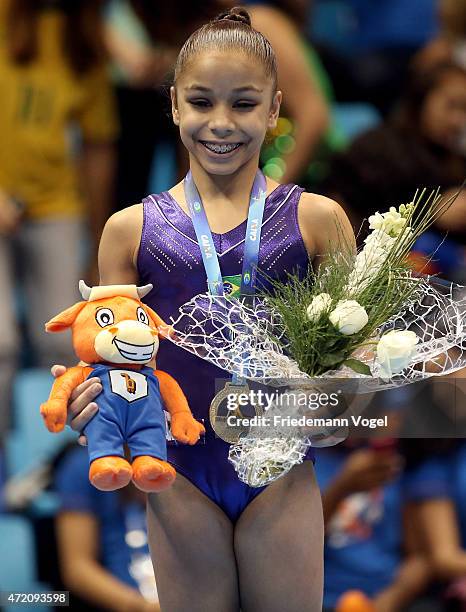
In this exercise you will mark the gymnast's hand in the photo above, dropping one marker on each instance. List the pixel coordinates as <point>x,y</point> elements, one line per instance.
<point>81,407</point>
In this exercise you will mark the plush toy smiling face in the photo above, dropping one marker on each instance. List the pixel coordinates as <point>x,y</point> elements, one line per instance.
<point>117,329</point>
<point>129,340</point>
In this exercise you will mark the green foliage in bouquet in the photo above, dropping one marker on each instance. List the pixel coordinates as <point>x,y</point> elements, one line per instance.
<point>336,310</point>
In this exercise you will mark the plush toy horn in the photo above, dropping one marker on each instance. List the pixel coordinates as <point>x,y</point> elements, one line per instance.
<point>84,290</point>
<point>90,294</point>
<point>143,291</point>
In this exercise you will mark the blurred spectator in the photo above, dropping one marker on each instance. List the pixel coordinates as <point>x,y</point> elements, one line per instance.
<point>421,145</point>
<point>52,78</point>
<point>450,44</point>
<point>303,82</point>
<point>167,26</point>
<point>380,38</point>
<point>365,500</point>
<point>102,541</point>
<point>299,101</point>
<point>144,38</point>
<point>443,520</point>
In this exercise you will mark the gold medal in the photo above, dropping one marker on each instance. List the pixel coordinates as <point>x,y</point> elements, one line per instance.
<point>228,416</point>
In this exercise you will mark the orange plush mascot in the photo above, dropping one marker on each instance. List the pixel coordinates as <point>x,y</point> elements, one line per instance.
<point>116,334</point>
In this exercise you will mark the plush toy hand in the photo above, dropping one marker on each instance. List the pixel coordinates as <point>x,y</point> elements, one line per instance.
<point>185,428</point>
<point>54,414</point>
<point>54,411</point>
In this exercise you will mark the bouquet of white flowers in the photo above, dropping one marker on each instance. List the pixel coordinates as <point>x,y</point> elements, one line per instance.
<point>363,316</point>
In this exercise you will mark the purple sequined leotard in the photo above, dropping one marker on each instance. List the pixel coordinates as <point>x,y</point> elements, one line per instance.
<point>170,259</point>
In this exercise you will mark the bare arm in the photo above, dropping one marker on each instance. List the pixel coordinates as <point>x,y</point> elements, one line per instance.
<point>77,537</point>
<point>143,65</point>
<point>415,572</point>
<point>412,579</point>
<point>454,219</point>
<point>438,521</point>
<point>332,498</point>
<point>119,247</point>
<point>302,98</point>
<point>324,227</point>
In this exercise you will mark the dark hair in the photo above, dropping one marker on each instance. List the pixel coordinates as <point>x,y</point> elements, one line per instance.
<point>230,30</point>
<point>419,85</point>
<point>82,37</point>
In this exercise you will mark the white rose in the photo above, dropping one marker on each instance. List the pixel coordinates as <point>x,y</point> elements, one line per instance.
<point>319,304</point>
<point>349,317</point>
<point>395,350</point>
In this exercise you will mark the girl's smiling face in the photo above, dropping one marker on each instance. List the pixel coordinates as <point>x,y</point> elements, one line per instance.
<point>224,103</point>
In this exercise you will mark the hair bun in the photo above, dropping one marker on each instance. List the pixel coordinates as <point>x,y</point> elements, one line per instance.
<point>237,14</point>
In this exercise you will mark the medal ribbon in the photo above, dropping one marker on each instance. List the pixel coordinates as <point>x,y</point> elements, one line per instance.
<point>251,242</point>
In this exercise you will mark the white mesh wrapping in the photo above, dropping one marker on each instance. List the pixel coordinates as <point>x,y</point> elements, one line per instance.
<point>259,461</point>
<point>235,337</point>
<point>249,340</point>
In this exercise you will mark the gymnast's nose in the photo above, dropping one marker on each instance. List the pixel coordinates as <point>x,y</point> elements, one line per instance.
<point>221,124</point>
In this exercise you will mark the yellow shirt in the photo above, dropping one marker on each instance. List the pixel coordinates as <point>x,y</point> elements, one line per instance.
<point>39,104</point>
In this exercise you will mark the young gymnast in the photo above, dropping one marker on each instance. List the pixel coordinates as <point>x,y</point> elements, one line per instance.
<point>219,545</point>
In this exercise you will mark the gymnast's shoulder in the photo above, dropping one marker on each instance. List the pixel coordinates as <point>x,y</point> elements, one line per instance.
<point>119,245</point>
<point>323,221</point>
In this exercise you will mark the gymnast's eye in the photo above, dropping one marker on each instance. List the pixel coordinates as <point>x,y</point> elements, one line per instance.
<point>245,104</point>
<point>199,102</point>
<point>142,316</point>
<point>104,317</point>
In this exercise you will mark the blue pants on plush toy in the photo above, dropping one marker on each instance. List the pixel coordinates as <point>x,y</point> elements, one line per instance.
<point>130,410</point>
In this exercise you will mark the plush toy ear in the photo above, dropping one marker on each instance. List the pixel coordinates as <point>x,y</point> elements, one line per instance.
<point>65,319</point>
<point>159,322</point>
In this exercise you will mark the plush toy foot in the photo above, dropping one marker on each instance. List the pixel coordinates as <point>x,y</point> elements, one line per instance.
<point>152,475</point>
<point>110,473</point>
